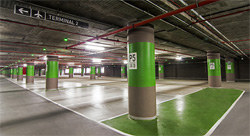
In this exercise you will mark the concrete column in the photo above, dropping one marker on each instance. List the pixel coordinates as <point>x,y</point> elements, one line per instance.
<point>20,72</point>
<point>161,70</point>
<point>230,73</point>
<point>122,71</point>
<point>71,71</point>
<point>82,71</point>
<point>85,71</point>
<point>141,73</point>
<point>52,73</point>
<point>99,74</point>
<point>60,71</point>
<point>11,72</point>
<point>92,72</point>
<point>39,72</point>
<point>14,74</point>
<point>214,69</point>
<point>30,73</point>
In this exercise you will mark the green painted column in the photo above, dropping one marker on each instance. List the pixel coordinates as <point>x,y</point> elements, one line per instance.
<point>92,72</point>
<point>230,73</point>
<point>141,73</point>
<point>20,72</point>
<point>161,70</point>
<point>14,76</point>
<point>214,69</point>
<point>52,73</point>
<point>122,71</point>
<point>11,72</point>
<point>82,71</point>
<point>71,71</point>
<point>99,71</point>
<point>30,73</point>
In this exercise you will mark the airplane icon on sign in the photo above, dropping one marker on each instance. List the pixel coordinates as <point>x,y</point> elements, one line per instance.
<point>38,15</point>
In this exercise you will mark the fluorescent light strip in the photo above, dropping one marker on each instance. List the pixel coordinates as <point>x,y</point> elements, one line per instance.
<point>94,48</point>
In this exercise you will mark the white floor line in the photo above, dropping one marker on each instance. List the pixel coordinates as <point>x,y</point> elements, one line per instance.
<point>104,125</point>
<point>209,133</point>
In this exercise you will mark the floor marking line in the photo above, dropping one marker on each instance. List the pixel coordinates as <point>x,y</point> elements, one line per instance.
<point>104,125</point>
<point>211,130</point>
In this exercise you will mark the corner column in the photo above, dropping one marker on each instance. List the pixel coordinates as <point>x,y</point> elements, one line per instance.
<point>71,71</point>
<point>99,72</point>
<point>141,73</point>
<point>20,73</point>
<point>30,72</point>
<point>52,73</point>
<point>214,69</point>
<point>92,72</point>
<point>230,74</point>
<point>122,71</point>
<point>161,70</point>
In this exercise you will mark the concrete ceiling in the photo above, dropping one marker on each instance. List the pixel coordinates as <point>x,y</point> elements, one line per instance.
<point>24,38</point>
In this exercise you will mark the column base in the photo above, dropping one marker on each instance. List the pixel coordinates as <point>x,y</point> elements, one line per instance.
<point>19,77</point>
<point>92,77</point>
<point>70,75</point>
<point>51,83</point>
<point>142,118</point>
<point>29,79</point>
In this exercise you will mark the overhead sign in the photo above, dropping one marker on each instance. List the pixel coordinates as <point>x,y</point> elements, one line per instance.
<point>132,61</point>
<point>47,16</point>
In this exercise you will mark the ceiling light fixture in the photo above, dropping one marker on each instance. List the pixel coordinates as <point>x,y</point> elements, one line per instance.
<point>45,58</point>
<point>96,44</point>
<point>125,62</point>
<point>24,65</point>
<point>94,48</point>
<point>96,60</point>
<point>178,58</point>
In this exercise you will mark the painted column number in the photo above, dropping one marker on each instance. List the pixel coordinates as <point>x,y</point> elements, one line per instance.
<point>133,60</point>
<point>212,65</point>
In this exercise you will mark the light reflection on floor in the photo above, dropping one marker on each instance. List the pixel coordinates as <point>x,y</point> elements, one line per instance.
<point>107,97</point>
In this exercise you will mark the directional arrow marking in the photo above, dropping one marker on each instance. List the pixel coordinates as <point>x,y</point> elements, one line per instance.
<point>21,10</point>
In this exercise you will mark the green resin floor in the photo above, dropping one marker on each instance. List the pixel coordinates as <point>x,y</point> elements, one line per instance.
<point>193,114</point>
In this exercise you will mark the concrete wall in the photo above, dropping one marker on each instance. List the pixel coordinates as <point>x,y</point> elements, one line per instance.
<point>196,69</point>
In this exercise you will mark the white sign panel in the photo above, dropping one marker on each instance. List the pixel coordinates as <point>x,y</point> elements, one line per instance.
<point>229,67</point>
<point>212,65</point>
<point>132,60</point>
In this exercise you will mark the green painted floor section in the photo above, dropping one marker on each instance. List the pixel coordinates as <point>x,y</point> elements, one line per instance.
<point>193,114</point>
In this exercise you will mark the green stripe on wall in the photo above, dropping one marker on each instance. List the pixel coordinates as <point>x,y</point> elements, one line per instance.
<point>30,70</point>
<point>20,71</point>
<point>52,69</point>
<point>92,70</point>
<point>217,70</point>
<point>232,67</point>
<point>144,75</point>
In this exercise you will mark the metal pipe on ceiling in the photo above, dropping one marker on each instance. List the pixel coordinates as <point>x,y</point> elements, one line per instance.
<point>213,27</point>
<point>205,2</point>
<point>176,27</point>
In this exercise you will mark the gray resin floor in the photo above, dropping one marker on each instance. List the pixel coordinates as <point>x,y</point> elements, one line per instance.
<point>106,98</point>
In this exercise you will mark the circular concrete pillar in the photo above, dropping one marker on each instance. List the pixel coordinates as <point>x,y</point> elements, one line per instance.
<point>92,72</point>
<point>122,71</point>
<point>30,73</point>
<point>141,73</point>
<point>20,72</point>
<point>99,74</point>
<point>52,73</point>
<point>214,69</point>
<point>14,74</point>
<point>161,70</point>
<point>71,71</point>
<point>230,73</point>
